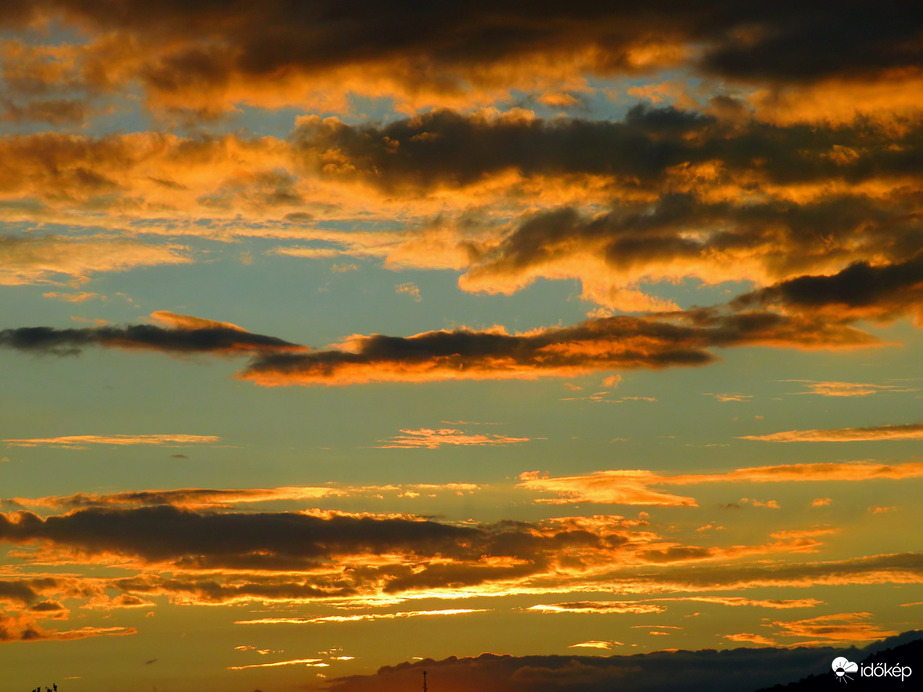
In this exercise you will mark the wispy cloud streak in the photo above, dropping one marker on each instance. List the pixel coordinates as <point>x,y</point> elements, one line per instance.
<point>909,431</point>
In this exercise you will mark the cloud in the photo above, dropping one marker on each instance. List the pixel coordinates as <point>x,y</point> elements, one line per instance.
<point>409,288</point>
<point>607,487</point>
<point>51,609</point>
<point>677,174</point>
<point>896,568</point>
<point>123,600</point>
<point>750,638</point>
<point>769,504</point>
<point>599,607</point>
<point>363,617</point>
<point>447,148</point>
<point>215,557</point>
<point>23,628</point>
<point>17,592</point>
<point>202,62</point>
<point>837,628</point>
<point>909,431</point>
<point>205,498</point>
<point>166,533</point>
<point>731,397</point>
<point>309,662</point>
<point>593,345</point>
<point>880,292</point>
<point>186,335</point>
<point>882,510</point>
<point>208,557</point>
<point>427,438</point>
<point>634,487</point>
<point>81,441</point>
<point>737,601</point>
<point>613,204</point>
<point>809,212</point>
<point>595,644</point>
<point>612,381</point>
<point>50,258</point>
<point>843,389</point>
<point>71,297</point>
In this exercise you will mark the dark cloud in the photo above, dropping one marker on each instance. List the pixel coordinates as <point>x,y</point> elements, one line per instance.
<point>218,339</point>
<point>24,629</point>
<point>170,534</point>
<point>338,552</point>
<point>691,196</point>
<point>440,45</point>
<point>447,148</point>
<point>59,112</point>
<point>881,292</point>
<point>658,341</point>
<point>47,606</point>
<point>17,591</point>
<point>872,569</point>
<point>208,557</point>
<point>240,589</point>
<point>601,344</point>
<point>802,44</point>
<point>778,236</point>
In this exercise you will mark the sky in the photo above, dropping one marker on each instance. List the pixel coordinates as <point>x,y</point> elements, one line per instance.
<point>347,335</point>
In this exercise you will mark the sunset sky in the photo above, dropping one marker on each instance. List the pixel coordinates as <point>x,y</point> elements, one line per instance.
<point>341,335</point>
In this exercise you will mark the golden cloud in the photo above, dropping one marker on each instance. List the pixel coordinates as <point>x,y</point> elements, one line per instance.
<point>909,431</point>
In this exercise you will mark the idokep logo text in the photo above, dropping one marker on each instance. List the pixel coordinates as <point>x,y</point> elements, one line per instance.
<point>845,670</point>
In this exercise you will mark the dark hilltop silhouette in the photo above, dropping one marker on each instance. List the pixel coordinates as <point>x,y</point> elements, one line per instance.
<point>748,669</point>
<point>904,650</point>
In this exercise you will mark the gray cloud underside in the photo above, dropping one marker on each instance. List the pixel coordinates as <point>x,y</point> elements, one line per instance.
<point>148,337</point>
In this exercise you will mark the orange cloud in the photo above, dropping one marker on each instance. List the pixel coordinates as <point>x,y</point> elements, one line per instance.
<point>597,607</point>
<point>607,487</point>
<point>731,397</point>
<point>45,259</point>
<point>634,486</point>
<point>81,441</point>
<point>827,471</point>
<point>23,628</point>
<point>750,638</point>
<point>309,662</point>
<point>409,288</point>
<point>596,644</point>
<point>171,319</point>
<point>834,628</point>
<point>674,339</point>
<point>910,431</point>
<point>364,617</point>
<point>197,63</point>
<point>427,438</point>
<point>72,297</point>
<point>849,388</point>
<point>201,498</point>
<point>891,99</point>
<point>882,510</point>
<point>742,601</point>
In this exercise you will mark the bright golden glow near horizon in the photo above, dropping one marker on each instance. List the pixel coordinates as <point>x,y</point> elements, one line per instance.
<point>343,341</point>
